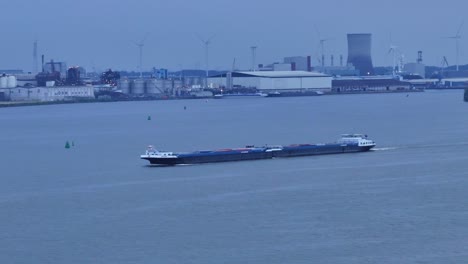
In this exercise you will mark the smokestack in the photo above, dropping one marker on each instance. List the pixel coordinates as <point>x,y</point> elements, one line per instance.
<point>309,63</point>
<point>293,66</point>
<point>331,60</point>
<point>323,60</point>
<point>42,62</point>
<point>34,70</point>
<point>254,53</point>
<point>359,53</point>
<point>341,60</point>
<point>419,57</point>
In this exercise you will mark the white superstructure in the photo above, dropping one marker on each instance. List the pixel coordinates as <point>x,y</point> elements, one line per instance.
<point>360,139</point>
<point>153,153</point>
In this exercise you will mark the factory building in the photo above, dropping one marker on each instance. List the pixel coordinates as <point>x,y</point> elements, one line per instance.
<point>446,83</point>
<point>413,68</point>
<point>283,66</point>
<point>60,67</point>
<point>296,63</point>
<point>359,53</point>
<point>455,74</point>
<point>338,70</point>
<point>364,84</point>
<point>47,94</point>
<point>274,81</point>
<point>299,63</point>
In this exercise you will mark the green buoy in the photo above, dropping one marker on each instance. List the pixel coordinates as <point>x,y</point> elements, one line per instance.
<point>149,117</point>
<point>67,145</point>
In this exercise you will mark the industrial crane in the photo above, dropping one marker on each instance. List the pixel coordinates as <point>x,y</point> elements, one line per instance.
<point>444,65</point>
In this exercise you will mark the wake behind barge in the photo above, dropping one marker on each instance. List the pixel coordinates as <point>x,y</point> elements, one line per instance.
<point>348,143</point>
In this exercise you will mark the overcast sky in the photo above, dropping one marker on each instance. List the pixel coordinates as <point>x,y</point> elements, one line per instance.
<point>101,33</point>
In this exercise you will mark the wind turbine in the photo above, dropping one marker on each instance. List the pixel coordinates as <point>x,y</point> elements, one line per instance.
<point>322,47</point>
<point>393,49</point>
<point>140,46</point>
<point>457,38</point>
<point>401,62</point>
<point>206,42</point>
<point>398,58</point>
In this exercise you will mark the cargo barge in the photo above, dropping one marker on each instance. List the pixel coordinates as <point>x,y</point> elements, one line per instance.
<point>348,143</point>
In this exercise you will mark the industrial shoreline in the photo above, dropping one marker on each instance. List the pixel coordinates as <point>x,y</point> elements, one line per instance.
<point>56,83</point>
<point>107,100</point>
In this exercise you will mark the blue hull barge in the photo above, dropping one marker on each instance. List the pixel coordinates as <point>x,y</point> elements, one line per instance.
<point>348,143</point>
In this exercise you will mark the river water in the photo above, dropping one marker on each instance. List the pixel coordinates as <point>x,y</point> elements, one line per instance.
<point>97,202</point>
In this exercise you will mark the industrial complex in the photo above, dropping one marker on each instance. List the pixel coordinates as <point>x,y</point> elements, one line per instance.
<point>294,76</point>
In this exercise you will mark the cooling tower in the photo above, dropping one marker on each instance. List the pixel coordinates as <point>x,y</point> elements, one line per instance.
<point>359,53</point>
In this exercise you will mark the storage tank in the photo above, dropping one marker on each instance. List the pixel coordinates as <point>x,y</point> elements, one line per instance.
<point>138,86</point>
<point>11,82</point>
<point>124,86</point>
<point>177,84</point>
<point>3,81</point>
<point>153,87</point>
<point>164,85</point>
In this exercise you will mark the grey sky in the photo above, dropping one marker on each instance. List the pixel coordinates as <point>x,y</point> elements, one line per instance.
<point>101,33</point>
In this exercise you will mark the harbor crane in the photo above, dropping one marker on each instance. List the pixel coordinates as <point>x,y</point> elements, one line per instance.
<point>445,64</point>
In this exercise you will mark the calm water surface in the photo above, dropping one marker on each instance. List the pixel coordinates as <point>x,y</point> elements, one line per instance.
<point>405,202</point>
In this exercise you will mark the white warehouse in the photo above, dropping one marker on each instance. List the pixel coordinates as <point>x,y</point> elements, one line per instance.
<point>53,93</point>
<point>274,81</point>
